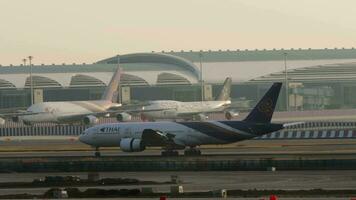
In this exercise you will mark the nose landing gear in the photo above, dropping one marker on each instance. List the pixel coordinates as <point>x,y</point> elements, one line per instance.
<point>97,152</point>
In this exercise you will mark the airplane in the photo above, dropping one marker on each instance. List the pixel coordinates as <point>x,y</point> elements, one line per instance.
<point>172,136</point>
<point>197,110</point>
<point>61,112</point>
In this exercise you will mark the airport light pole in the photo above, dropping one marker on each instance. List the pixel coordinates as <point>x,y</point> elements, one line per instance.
<point>201,75</point>
<point>24,61</point>
<point>31,81</point>
<point>286,80</point>
<point>119,98</point>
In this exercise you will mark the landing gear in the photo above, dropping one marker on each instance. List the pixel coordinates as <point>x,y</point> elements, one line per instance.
<point>170,153</point>
<point>192,151</point>
<point>97,152</point>
<point>27,123</point>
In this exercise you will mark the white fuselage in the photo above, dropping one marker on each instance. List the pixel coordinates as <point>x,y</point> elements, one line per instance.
<point>182,110</point>
<point>110,135</point>
<point>64,111</point>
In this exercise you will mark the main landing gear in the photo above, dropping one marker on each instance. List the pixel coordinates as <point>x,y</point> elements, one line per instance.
<point>192,151</point>
<point>27,123</point>
<point>97,152</point>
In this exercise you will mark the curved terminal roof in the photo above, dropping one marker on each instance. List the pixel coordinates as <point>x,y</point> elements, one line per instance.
<point>246,65</point>
<point>342,72</point>
<point>153,58</point>
<point>138,69</point>
<point>246,55</point>
<point>312,65</point>
<point>216,72</point>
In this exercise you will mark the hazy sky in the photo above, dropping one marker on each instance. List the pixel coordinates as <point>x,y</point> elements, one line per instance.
<point>57,31</point>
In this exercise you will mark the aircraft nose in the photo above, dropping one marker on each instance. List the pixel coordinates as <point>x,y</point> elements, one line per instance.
<point>84,137</point>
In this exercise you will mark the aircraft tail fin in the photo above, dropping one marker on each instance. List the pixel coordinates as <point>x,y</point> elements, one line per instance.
<point>225,91</point>
<point>263,111</point>
<point>112,90</point>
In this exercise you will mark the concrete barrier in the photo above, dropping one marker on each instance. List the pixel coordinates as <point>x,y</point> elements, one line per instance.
<point>181,163</point>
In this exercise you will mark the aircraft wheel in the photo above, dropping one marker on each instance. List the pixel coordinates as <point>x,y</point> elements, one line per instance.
<point>27,123</point>
<point>97,152</point>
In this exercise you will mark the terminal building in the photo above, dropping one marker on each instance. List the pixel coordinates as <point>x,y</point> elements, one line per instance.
<point>317,79</point>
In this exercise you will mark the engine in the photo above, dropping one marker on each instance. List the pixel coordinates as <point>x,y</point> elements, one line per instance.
<point>200,117</point>
<point>27,123</point>
<point>123,117</point>
<point>231,114</point>
<point>2,121</point>
<point>132,145</point>
<point>90,120</point>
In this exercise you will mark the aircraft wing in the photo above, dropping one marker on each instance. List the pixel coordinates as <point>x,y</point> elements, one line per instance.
<point>80,116</point>
<point>190,115</point>
<point>135,111</point>
<point>157,138</point>
<point>20,113</point>
<point>287,125</point>
<point>187,114</point>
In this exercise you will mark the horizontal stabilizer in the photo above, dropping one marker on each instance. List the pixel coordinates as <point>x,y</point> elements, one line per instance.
<point>293,124</point>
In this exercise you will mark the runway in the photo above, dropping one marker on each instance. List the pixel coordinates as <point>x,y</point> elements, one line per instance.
<point>60,148</point>
<point>200,180</point>
<point>204,181</point>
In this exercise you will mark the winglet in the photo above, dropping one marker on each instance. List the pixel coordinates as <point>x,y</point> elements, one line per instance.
<point>263,111</point>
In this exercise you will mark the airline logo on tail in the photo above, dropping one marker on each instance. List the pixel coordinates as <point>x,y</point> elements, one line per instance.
<point>266,107</point>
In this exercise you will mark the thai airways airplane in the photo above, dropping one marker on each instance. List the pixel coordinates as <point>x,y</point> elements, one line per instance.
<point>198,110</point>
<point>86,112</point>
<point>171,136</point>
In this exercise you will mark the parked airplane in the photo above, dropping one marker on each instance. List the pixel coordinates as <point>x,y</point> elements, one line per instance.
<point>136,136</point>
<point>86,112</point>
<point>168,109</point>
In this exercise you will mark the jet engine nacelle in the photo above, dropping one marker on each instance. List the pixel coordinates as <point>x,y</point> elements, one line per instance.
<point>200,117</point>
<point>132,145</point>
<point>90,120</point>
<point>2,121</point>
<point>123,117</point>
<point>231,114</point>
